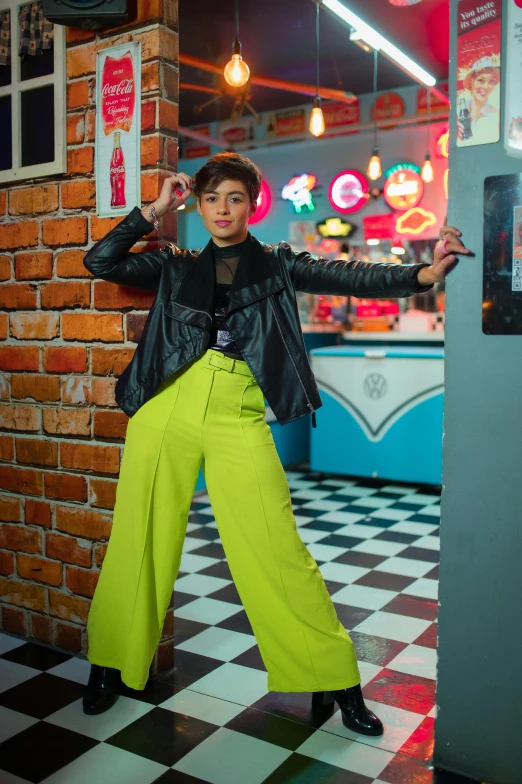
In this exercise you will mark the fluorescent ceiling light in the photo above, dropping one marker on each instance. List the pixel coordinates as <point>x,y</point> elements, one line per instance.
<point>377,41</point>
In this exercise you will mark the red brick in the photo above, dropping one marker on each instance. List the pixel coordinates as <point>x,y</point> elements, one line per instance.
<point>7,563</point>
<point>6,271</point>
<point>3,202</point>
<point>151,150</point>
<point>58,359</point>
<point>168,116</point>
<point>38,387</point>
<point>4,326</point>
<point>81,61</point>
<point>68,549</point>
<point>110,424</point>
<point>78,94</point>
<point>102,493</point>
<point>170,83</point>
<point>135,324</point>
<point>85,523</point>
<point>110,361</point>
<point>69,264</point>
<point>37,513</point>
<point>100,551</point>
<point>90,126</point>
<point>103,391</point>
<point>18,417</point>
<point>40,569</point>
<point>75,35</point>
<point>78,326</point>
<point>151,183</point>
<point>17,296</point>
<point>39,199</point>
<point>172,153</point>
<point>75,129</point>
<point>102,226</point>
<point>90,457</point>
<point>109,296</point>
<point>19,357</point>
<point>66,487</point>
<point>22,234</point>
<point>66,295</point>
<point>42,625</point>
<point>65,231</point>
<point>20,538</point>
<point>77,390</point>
<point>80,160</point>
<point>6,448</point>
<point>33,266</point>
<point>78,193</point>
<point>5,393</point>
<point>150,78</point>
<point>148,116</point>
<point>21,480</point>
<point>81,581</point>
<point>14,621</point>
<point>35,326</point>
<point>64,421</point>
<point>68,608</point>
<point>10,509</point>
<point>68,637</point>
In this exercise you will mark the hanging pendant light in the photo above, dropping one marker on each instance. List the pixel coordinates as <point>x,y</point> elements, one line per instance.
<point>317,126</point>
<point>427,173</point>
<point>374,165</point>
<point>237,72</point>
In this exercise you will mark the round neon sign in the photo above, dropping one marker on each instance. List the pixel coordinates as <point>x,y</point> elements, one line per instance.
<point>404,187</point>
<point>263,204</point>
<point>349,192</point>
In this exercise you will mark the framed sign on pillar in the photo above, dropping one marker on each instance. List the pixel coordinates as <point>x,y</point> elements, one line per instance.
<point>118,130</point>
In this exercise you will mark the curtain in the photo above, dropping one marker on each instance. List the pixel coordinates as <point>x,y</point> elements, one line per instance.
<point>36,32</point>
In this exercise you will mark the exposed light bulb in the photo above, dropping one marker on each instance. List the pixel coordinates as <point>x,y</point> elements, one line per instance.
<point>398,248</point>
<point>374,166</point>
<point>427,172</point>
<point>317,126</point>
<point>237,72</point>
<point>372,242</point>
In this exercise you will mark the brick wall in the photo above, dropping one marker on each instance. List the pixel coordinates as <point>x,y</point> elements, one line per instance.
<point>64,340</point>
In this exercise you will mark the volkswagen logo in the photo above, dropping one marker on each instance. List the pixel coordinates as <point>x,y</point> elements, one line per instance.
<point>375,386</point>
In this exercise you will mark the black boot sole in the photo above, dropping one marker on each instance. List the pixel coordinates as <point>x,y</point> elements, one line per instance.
<point>96,711</point>
<point>359,730</point>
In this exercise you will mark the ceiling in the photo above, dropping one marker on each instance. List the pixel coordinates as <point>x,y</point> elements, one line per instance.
<point>278,38</point>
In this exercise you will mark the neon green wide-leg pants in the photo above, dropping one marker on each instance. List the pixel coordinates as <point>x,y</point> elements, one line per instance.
<point>211,414</point>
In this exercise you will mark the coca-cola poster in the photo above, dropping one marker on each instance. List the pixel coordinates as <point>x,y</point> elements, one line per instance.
<point>479,30</point>
<point>513,109</point>
<point>118,130</point>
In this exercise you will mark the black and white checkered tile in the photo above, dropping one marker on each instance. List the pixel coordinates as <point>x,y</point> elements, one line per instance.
<point>212,719</point>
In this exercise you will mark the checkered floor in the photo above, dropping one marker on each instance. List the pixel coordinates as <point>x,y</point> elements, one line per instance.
<point>212,720</point>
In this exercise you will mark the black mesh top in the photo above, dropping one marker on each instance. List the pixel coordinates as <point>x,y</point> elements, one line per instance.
<point>226,263</point>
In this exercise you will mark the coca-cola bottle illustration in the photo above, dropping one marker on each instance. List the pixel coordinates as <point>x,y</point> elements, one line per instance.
<point>117,174</point>
<point>465,119</point>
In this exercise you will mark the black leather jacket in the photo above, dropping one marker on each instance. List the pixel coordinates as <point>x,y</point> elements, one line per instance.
<point>262,313</point>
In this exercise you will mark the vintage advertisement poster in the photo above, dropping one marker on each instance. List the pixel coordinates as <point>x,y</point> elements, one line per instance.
<point>478,72</point>
<point>195,148</point>
<point>238,132</point>
<point>290,122</point>
<point>339,115</point>
<point>513,108</point>
<point>118,130</point>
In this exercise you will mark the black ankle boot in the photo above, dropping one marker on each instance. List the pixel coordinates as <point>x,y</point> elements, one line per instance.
<point>356,716</point>
<point>101,690</point>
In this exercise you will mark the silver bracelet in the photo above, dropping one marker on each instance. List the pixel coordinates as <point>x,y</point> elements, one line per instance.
<point>153,214</point>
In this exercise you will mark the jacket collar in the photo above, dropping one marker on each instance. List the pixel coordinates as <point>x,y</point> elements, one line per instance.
<point>256,277</point>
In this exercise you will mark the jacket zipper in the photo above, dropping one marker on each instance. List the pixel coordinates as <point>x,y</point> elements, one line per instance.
<point>310,406</point>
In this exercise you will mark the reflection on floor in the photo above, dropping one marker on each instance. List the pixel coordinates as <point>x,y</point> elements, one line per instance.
<point>213,719</point>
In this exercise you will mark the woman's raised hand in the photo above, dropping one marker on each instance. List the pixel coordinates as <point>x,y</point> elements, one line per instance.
<point>175,191</point>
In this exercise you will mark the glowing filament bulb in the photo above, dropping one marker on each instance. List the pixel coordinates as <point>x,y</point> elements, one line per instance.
<point>374,166</point>
<point>427,172</point>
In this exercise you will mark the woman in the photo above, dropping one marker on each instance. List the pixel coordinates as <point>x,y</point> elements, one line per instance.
<point>222,335</point>
<point>482,79</point>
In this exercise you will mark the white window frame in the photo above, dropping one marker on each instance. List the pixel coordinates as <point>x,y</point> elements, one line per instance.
<point>18,172</point>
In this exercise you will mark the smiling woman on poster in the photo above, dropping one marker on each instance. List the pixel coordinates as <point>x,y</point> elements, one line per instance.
<point>478,118</point>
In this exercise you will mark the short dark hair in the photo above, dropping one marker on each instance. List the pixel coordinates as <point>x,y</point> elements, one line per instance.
<point>228,166</point>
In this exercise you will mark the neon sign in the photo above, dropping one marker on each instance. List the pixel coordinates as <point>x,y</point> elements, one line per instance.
<point>332,228</point>
<point>264,202</point>
<point>299,192</point>
<point>349,192</point>
<point>403,188</point>
<point>415,221</point>
<point>443,143</point>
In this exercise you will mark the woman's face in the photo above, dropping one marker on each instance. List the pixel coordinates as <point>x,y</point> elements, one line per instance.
<point>225,210</point>
<point>483,84</point>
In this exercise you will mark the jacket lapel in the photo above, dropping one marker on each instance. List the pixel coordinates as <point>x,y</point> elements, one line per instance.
<point>256,277</point>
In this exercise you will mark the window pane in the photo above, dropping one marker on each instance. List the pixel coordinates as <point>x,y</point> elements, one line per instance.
<point>35,65</point>
<point>6,139</point>
<point>37,125</point>
<point>5,75</point>
<point>5,23</point>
